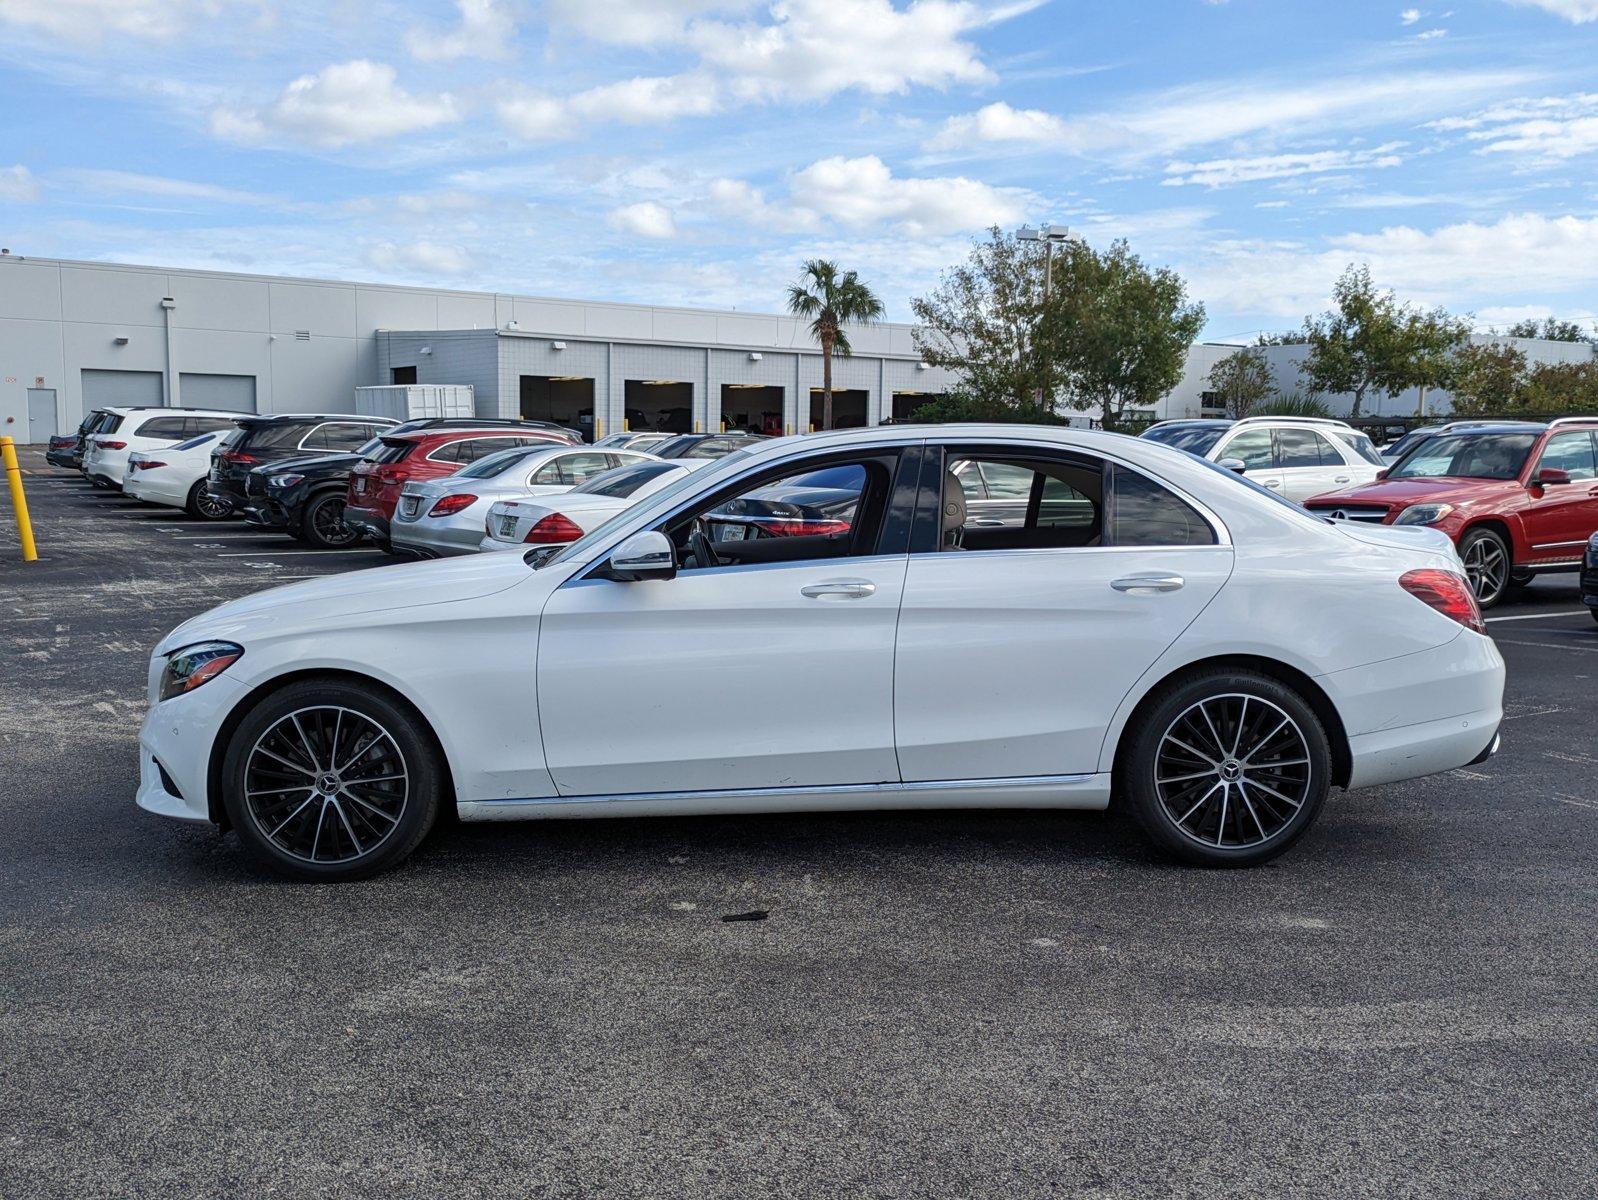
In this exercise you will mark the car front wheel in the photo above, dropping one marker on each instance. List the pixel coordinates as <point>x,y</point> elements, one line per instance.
<point>1227,770</point>
<point>1488,565</point>
<point>331,781</point>
<point>323,523</point>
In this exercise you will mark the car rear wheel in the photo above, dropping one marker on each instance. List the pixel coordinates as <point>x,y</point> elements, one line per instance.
<point>322,523</point>
<point>1488,565</point>
<point>203,506</point>
<point>1227,770</point>
<point>330,781</point>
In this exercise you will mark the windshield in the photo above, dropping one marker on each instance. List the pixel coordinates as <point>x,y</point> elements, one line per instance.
<point>623,481</point>
<point>1466,456</point>
<point>1196,439</point>
<point>492,464</point>
<point>600,532</point>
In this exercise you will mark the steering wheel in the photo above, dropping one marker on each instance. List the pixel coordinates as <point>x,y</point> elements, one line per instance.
<point>704,553</point>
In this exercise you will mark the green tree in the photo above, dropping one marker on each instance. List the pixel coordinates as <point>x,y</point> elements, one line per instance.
<point>1552,329</point>
<point>1487,379</point>
<point>1569,388</point>
<point>982,323</point>
<point>1293,404</point>
<point>1242,380</point>
<point>831,299</point>
<point>1118,329</point>
<point>1372,342</point>
<point>960,406</point>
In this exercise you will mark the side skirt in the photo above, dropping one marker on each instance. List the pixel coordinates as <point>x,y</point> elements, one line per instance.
<point>1038,791</point>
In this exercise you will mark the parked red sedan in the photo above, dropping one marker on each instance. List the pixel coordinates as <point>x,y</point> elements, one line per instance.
<point>375,482</point>
<point>1516,501</point>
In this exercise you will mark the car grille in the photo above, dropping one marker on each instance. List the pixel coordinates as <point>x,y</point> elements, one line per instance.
<point>254,485</point>
<point>1375,514</point>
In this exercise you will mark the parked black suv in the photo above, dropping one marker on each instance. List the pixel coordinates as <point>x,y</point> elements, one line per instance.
<point>304,495</point>
<point>1589,576</point>
<point>271,439</point>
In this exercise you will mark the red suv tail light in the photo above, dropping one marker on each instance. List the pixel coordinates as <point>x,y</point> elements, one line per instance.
<point>1447,592</point>
<point>554,529</point>
<point>451,504</point>
<point>110,445</point>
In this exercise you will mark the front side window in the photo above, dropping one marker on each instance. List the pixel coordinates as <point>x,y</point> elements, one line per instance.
<point>1467,456</point>
<point>1253,447</point>
<point>1570,452</point>
<point>162,427</point>
<point>579,468</point>
<point>342,437</point>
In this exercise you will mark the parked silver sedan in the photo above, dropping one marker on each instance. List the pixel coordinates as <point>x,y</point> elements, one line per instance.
<point>440,517</point>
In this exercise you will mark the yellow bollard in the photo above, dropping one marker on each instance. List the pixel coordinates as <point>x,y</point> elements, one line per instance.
<point>19,502</point>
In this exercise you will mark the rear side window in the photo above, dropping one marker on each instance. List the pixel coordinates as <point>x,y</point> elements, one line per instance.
<point>110,423</point>
<point>1145,513</point>
<point>391,452</point>
<point>196,425</point>
<point>1362,446</point>
<point>1305,448</point>
<point>274,435</point>
<point>336,436</point>
<point>163,427</point>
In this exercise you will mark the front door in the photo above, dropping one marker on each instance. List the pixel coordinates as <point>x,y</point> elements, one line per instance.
<point>1561,516</point>
<point>41,415</point>
<point>766,663</point>
<point>1256,449</point>
<point>1017,644</point>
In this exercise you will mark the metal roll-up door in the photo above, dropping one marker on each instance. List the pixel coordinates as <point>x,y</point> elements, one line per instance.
<point>125,389</point>
<point>231,393</point>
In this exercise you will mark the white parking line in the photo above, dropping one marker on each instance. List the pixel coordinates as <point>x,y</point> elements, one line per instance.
<point>1574,612</point>
<point>1547,645</point>
<point>276,553</point>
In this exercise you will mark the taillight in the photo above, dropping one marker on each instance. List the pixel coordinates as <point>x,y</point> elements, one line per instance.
<point>1447,592</point>
<point>554,529</point>
<point>798,526</point>
<point>451,504</point>
<point>110,445</point>
<point>238,456</point>
<point>146,465</point>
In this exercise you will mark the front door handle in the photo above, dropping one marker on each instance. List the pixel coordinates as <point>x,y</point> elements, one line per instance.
<point>1274,483</point>
<point>845,589</point>
<point>1142,585</point>
<point>1340,478</point>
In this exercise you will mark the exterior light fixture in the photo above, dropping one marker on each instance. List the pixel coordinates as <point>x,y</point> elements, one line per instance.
<point>121,341</point>
<point>557,345</point>
<point>755,356</point>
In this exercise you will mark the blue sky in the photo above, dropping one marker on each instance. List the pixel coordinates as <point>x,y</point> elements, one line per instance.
<point>694,151</point>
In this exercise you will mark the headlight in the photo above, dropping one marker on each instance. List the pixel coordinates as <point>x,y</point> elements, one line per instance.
<point>283,481</point>
<point>1423,514</point>
<point>188,668</point>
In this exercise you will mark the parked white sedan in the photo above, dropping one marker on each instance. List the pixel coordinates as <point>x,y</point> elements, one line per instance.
<point>1214,654</point>
<point>444,516</point>
<point>557,520</point>
<point>175,476</point>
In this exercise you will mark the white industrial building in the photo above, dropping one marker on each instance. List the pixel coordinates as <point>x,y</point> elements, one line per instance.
<point>78,335</point>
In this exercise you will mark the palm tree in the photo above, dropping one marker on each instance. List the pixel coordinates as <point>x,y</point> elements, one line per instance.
<point>831,299</point>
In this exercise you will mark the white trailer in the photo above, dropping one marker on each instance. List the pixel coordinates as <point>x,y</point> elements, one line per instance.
<point>408,401</point>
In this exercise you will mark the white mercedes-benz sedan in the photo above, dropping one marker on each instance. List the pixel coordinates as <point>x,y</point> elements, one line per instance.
<point>1145,625</point>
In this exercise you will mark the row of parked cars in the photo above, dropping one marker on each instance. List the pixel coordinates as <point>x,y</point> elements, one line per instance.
<point>1517,498</point>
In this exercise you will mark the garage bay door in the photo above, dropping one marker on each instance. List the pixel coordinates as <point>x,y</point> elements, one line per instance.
<point>232,393</point>
<point>125,389</point>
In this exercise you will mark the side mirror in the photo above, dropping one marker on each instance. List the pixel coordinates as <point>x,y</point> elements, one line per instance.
<point>646,555</point>
<point>1233,464</point>
<point>1382,474</point>
<point>1552,475</point>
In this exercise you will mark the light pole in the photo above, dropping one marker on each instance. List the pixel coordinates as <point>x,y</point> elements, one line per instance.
<point>1051,236</point>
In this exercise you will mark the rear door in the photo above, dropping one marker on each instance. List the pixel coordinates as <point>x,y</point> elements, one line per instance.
<point>1016,643</point>
<point>1255,446</point>
<point>1309,464</point>
<point>1561,516</point>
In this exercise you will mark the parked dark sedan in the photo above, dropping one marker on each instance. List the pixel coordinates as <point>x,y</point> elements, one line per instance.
<point>263,440</point>
<point>819,504</point>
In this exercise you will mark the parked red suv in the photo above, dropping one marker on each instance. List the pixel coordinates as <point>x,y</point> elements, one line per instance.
<point>1516,500</point>
<point>375,481</point>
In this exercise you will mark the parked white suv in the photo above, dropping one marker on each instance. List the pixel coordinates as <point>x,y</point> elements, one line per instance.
<point>105,452</point>
<point>1297,457</point>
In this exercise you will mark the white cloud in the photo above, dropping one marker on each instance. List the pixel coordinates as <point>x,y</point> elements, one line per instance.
<point>348,102</point>
<point>860,192</point>
<point>1224,172</point>
<point>1430,35</point>
<point>646,100</point>
<point>91,20</point>
<point>18,185</point>
<point>1548,129</point>
<point>427,259</point>
<point>535,117</point>
<point>1409,16</point>
<point>998,123</point>
<point>1578,12</point>
<point>131,183</point>
<point>1172,121</point>
<point>645,219</point>
<point>747,204</point>
<point>816,48</point>
<point>487,30</point>
<point>635,22</point>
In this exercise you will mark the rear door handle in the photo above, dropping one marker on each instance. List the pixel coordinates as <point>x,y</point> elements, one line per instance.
<point>844,589</point>
<point>1139,585</point>
<point>1340,478</point>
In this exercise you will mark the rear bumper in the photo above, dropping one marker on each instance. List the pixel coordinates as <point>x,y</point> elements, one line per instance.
<point>61,458</point>
<point>438,537</point>
<point>142,488</point>
<point>369,521</point>
<point>1421,713</point>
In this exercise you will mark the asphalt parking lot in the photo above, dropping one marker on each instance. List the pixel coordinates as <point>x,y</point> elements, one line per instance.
<point>944,1004</point>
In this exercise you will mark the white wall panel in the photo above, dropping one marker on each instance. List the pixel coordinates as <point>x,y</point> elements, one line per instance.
<point>220,302</point>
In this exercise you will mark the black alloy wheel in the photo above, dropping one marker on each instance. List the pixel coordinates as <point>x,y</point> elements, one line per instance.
<point>323,523</point>
<point>205,507</point>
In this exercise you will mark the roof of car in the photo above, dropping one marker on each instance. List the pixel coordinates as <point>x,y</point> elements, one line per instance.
<point>467,431</point>
<point>273,418</point>
<point>1490,427</point>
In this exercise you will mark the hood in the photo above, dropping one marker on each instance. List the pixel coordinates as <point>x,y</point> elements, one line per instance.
<point>335,600</point>
<point>1431,489</point>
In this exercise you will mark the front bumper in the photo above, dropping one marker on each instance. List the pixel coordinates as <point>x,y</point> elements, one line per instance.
<point>268,512</point>
<point>369,521</point>
<point>177,736</point>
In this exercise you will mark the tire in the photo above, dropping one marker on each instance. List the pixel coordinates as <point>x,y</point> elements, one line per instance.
<point>1489,565</point>
<point>1183,779</point>
<point>322,523</point>
<point>387,547</point>
<point>348,818</point>
<point>202,507</point>
<point>1594,612</point>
